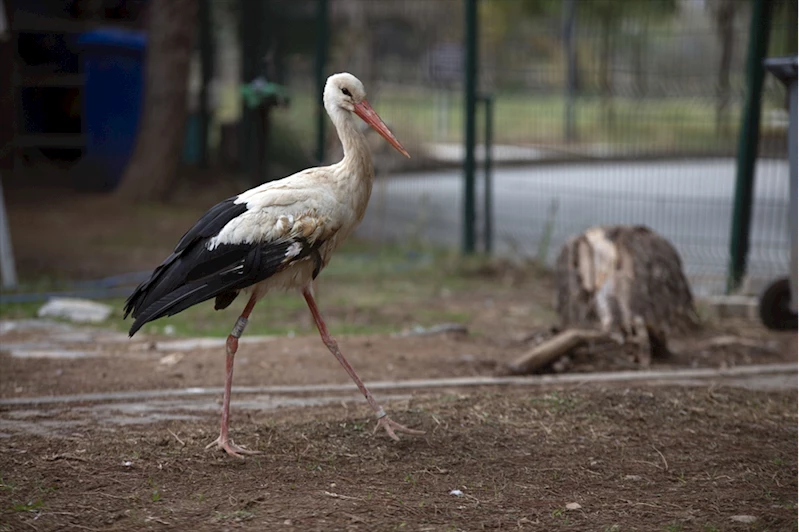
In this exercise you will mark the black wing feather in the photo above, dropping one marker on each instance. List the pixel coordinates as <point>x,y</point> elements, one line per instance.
<point>206,227</point>
<point>211,222</point>
<point>193,273</point>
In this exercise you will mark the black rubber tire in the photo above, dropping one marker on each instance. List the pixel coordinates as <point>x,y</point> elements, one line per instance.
<point>775,306</point>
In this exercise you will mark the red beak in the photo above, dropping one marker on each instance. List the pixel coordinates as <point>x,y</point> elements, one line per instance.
<point>368,115</point>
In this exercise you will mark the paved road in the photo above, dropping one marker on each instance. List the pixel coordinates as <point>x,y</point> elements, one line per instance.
<point>690,202</point>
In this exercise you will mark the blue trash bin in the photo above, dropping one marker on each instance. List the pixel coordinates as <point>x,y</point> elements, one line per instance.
<point>113,64</point>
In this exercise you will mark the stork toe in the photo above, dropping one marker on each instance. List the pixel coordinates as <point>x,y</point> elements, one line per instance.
<point>231,448</point>
<point>392,427</point>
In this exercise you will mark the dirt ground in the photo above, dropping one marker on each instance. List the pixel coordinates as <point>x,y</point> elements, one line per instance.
<point>632,459</point>
<point>108,361</point>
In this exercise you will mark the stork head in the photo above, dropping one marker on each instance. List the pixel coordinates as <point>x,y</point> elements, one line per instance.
<point>345,93</point>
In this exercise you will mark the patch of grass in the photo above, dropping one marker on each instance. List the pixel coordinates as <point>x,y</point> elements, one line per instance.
<point>363,291</point>
<point>534,118</point>
<point>561,515</point>
<point>356,426</point>
<point>556,402</point>
<point>155,493</point>
<point>30,506</point>
<point>6,486</point>
<point>673,527</point>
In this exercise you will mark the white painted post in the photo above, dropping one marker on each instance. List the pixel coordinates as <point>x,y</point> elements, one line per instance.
<point>7,268</point>
<point>792,175</point>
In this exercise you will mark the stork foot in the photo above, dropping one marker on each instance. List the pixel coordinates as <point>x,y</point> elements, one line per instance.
<point>230,448</point>
<point>391,427</point>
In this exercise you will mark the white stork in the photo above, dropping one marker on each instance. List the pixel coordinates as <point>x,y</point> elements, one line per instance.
<point>279,235</point>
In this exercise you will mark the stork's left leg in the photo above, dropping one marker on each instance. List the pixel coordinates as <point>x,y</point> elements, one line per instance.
<point>382,418</point>
<point>232,345</point>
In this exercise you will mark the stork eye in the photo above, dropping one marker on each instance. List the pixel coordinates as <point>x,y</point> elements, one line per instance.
<point>346,92</point>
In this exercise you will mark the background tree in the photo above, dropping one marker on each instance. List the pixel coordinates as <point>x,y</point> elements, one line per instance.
<point>608,16</point>
<point>723,13</point>
<point>154,165</point>
<point>603,20</point>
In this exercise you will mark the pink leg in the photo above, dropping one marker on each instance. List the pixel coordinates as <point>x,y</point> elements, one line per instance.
<point>232,345</point>
<point>382,418</point>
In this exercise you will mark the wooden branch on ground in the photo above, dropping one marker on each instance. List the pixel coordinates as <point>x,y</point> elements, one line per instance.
<point>550,350</point>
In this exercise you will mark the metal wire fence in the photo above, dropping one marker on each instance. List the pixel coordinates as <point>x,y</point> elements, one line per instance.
<point>605,111</point>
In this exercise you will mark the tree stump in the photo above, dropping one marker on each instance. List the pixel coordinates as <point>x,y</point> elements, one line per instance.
<point>625,280</point>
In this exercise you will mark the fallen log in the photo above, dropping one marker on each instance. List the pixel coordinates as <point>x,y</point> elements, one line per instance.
<point>550,350</point>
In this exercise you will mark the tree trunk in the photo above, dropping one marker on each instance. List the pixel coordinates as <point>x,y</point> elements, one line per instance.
<point>159,144</point>
<point>641,41</point>
<point>624,279</point>
<point>8,49</point>
<point>605,67</point>
<point>725,26</point>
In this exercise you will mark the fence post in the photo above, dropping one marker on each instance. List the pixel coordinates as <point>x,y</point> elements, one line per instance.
<point>322,38</point>
<point>470,88</point>
<point>8,270</point>
<point>488,201</point>
<point>792,188</point>
<point>747,143</point>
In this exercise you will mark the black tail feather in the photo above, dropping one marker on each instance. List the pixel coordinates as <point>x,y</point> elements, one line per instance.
<point>179,300</point>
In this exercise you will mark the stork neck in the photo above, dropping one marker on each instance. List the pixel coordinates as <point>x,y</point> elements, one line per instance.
<point>356,150</point>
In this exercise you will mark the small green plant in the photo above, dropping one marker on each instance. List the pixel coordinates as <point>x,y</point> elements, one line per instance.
<point>556,402</point>
<point>6,486</point>
<point>30,506</point>
<point>674,527</point>
<point>155,494</point>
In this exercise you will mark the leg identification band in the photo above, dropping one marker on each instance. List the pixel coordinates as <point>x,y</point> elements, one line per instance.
<point>238,329</point>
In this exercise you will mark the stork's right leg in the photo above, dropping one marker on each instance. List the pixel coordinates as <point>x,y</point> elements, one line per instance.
<point>232,345</point>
